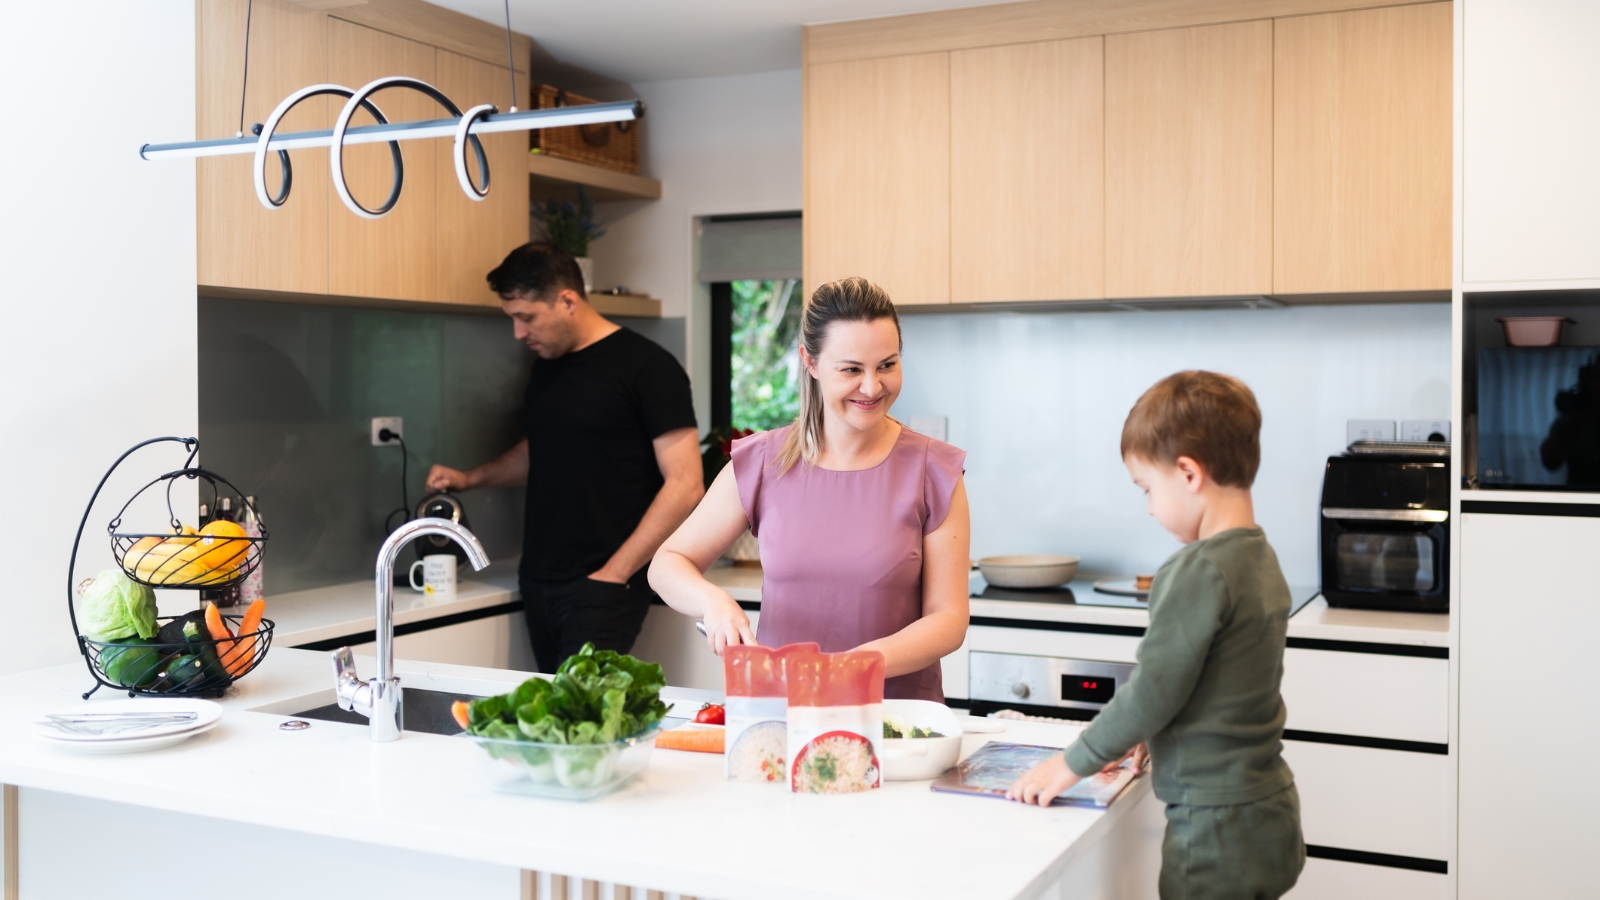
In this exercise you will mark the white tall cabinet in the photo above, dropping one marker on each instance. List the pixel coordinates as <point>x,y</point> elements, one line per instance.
<point>1530,127</point>
<point>1528,617</point>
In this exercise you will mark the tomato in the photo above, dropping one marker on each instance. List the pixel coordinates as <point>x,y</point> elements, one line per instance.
<point>711,714</point>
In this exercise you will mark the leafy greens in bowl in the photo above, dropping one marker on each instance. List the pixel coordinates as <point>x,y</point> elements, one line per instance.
<point>583,733</point>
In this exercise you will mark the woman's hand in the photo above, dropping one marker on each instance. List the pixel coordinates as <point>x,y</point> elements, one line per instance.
<point>726,624</point>
<point>1044,782</point>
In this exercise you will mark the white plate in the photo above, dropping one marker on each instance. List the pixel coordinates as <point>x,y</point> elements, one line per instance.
<point>1121,587</point>
<point>129,745</point>
<point>206,713</point>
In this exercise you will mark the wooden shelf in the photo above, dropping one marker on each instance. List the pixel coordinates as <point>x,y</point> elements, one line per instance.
<point>634,306</point>
<point>551,176</point>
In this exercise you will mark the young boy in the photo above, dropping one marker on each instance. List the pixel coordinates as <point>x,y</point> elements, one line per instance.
<point>1205,694</point>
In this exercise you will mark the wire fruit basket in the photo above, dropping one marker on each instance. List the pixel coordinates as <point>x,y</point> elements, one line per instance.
<point>184,658</point>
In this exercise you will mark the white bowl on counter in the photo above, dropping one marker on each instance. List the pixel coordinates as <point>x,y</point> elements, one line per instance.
<point>919,759</point>
<point>1029,570</point>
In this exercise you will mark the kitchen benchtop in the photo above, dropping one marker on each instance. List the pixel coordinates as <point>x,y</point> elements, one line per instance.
<point>1314,620</point>
<point>680,827</point>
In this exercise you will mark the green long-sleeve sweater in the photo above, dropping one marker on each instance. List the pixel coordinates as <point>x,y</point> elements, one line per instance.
<point>1205,693</point>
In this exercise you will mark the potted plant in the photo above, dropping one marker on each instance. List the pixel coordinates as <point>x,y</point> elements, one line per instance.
<point>571,227</point>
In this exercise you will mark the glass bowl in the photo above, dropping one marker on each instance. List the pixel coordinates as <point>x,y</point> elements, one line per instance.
<point>564,771</point>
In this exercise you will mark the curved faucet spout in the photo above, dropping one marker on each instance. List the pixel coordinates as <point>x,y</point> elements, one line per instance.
<point>380,699</point>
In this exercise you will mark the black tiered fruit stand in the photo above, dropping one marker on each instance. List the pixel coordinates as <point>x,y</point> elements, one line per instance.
<point>174,559</point>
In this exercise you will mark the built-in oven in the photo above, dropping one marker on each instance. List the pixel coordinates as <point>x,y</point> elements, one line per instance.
<point>1042,685</point>
<point>1385,531</point>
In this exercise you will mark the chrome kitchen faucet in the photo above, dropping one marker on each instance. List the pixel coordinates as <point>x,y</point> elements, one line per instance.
<point>379,699</point>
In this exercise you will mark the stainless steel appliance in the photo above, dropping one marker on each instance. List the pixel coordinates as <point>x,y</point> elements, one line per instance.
<point>1385,529</point>
<point>1077,688</point>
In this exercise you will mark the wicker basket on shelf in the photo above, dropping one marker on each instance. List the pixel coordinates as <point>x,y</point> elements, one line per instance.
<point>610,145</point>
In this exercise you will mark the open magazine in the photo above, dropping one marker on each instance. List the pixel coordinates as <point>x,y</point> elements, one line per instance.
<point>995,765</point>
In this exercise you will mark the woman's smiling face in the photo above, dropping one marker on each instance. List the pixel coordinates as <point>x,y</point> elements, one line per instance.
<point>858,371</point>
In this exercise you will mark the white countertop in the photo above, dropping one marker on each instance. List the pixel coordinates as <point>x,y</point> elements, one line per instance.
<point>680,827</point>
<point>342,610</point>
<point>1316,620</point>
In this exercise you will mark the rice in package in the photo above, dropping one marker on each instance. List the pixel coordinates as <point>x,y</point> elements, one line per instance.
<point>756,733</point>
<point>835,721</point>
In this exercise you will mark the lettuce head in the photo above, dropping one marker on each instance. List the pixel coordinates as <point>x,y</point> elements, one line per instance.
<point>115,606</point>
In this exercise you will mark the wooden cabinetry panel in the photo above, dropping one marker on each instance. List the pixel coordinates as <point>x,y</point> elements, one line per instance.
<point>475,235</point>
<point>1189,161</point>
<point>1361,181</point>
<point>242,243</point>
<point>877,190</point>
<point>391,257</point>
<point>1027,172</point>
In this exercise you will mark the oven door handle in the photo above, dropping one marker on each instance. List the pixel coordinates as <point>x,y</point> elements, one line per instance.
<point>1387,515</point>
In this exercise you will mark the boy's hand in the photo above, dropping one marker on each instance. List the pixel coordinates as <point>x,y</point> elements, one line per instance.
<point>1140,754</point>
<point>1044,782</point>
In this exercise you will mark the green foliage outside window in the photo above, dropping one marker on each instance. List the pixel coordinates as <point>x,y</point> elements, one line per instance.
<point>766,359</point>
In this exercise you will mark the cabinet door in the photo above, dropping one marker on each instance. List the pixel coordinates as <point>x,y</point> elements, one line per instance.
<point>877,188</point>
<point>1189,161</point>
<point>241,243</point>
<point>475,235</point>
<point>1530,183</point>
<point>391,257</point>
<point>1027,172</point>
<point>1361,176</point>
<point>1528,616</point>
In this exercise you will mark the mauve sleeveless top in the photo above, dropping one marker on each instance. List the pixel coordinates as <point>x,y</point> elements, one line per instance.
<point>841,552</point>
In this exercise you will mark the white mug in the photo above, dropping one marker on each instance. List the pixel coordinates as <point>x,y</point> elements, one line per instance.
<point>438,576</point>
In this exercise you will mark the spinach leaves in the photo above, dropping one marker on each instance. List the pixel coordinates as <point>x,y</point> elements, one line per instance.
<point>596,697</point>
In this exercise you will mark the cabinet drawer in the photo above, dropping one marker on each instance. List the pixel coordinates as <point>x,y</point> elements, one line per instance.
<point>1326,879</point>
<point>1367,694</point>
<point>1380,801</point>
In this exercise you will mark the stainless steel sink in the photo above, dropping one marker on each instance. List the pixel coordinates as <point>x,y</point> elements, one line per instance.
<point>425,711</point>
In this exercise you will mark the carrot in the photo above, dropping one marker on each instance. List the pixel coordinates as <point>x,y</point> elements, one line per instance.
<point>239,657</point>
<point>701,740</point>
<point>462,712</point>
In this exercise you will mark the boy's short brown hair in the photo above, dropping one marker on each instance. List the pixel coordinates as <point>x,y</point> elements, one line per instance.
<point>1210,418</point>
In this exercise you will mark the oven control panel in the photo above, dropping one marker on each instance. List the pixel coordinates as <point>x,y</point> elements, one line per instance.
<point>1044,680</point>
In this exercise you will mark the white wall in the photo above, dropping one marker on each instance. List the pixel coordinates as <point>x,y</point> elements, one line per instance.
<point>97,278</point>
<point>720,146</point>
<point>1038,402</point>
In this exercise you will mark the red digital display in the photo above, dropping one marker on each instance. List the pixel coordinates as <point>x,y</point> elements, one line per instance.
<point>1087,689</point>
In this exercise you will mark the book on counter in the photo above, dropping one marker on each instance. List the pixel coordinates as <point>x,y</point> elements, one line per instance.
<point>995,765</point>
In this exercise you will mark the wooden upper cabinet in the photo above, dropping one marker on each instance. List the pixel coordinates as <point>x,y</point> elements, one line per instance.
<point>1362,178</point>
<point>1027,172</point>
<point>241,243</point>
<point>474,236</point>
<point>877,179</point>
<point>1189,161</point>
<point>392,257</point>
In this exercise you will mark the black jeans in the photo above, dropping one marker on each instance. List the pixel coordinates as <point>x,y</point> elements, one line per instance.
<point>565,615</point>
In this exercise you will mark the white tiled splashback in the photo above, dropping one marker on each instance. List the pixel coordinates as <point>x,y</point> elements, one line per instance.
<point>1038,400</point>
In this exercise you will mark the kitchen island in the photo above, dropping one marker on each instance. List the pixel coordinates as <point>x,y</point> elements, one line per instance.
<point>251,810</point>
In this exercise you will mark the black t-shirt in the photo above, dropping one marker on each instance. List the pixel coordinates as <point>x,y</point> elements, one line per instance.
<point>592,470</point>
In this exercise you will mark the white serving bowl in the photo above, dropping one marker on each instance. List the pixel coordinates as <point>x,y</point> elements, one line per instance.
<point>1029,570</point>
<point>919,759</point>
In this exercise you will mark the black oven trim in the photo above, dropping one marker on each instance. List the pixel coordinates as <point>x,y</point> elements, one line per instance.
<point>1523,508</point>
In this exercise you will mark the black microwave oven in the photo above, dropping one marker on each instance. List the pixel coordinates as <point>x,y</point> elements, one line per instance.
<point>1385,532</point>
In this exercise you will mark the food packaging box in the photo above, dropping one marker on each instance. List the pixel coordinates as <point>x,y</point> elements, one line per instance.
<point>756,730</point>
<point>835,721</point>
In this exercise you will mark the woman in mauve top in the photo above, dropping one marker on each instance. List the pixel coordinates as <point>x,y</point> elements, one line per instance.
<point>862,522</point>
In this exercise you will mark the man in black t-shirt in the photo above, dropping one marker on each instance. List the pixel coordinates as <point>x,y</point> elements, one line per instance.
<point>611,459</point>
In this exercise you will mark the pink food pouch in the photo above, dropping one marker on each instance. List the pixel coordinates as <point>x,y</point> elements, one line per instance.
<point>756,733</point>
<point>835,721</point>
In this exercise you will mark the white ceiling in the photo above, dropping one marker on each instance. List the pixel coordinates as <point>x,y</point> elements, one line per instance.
<point>650,40</point>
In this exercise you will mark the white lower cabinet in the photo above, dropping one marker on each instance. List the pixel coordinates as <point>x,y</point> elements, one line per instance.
<point>1379,801</point>
<point>1327,879</point>
<point>1367,694</point>
<point>494,642</point>
<point>1529,612</point>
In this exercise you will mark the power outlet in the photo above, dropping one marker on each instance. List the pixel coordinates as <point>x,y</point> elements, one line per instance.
<point>1424,430</point>
<point>1368,430</point>
<point>394,423</point>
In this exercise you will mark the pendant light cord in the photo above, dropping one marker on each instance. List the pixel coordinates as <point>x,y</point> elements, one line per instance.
<point>244,81</point>
<point>511,59</point>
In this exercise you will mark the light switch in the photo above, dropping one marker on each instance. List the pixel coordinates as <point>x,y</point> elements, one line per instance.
<point>936,427</point>
<point>1369,430</point>
<point>1425,430</point>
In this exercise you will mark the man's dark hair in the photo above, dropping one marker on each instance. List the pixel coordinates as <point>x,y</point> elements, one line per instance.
<point>539,269</point>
